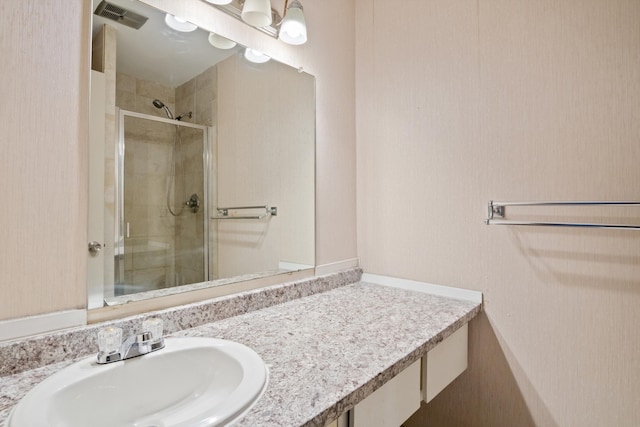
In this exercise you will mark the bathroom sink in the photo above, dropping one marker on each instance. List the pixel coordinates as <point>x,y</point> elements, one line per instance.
<point>194,382</point>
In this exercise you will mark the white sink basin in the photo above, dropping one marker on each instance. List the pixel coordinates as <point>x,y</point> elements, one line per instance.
<point>192,382</point>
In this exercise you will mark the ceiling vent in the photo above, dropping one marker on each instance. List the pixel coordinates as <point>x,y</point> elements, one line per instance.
<point>120,15</point>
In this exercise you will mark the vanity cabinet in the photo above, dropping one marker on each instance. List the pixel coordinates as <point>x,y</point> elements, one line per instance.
<point>393,403</point>
<point>443,363</point>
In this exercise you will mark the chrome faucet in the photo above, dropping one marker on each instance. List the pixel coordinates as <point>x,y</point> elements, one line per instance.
<point>112,349</point>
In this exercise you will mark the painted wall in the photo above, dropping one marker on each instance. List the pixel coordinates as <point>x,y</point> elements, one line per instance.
<point>464,101</point>
<point>45,133</point>
<point>43,177</point>
<point>265,140</point>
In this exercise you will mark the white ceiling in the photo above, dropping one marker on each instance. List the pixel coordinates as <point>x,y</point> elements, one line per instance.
<point>156,52</point>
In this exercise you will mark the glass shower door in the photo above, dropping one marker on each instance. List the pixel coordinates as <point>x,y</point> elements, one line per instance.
<point>162,238</point>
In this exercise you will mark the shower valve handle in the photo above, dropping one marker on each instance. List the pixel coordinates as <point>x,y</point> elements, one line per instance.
<point>193,203</point>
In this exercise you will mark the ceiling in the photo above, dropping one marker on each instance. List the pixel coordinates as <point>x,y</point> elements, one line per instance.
<point>156,52</point>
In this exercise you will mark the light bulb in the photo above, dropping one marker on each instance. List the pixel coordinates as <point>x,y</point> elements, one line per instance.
<point>294,31</point>
<point>294,28</point>
<point>255,56</point>
<point>179,24</point>
<point>220,2</point>
<point>216,40</point>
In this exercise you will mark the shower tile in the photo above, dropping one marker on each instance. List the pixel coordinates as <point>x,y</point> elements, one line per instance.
<point>153,90</point>
<point>204,95</point>
<point>125,83</point>
<point>204,115</point>
<point>205,78</point>
<point>186,89</point>
<point>126,100</point>
<point>149,279</point>
<point>160,226</point>
<point>150,257</point>
<point>185,104</point>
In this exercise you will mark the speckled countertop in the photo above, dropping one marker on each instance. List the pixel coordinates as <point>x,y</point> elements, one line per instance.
<point>325,352</point>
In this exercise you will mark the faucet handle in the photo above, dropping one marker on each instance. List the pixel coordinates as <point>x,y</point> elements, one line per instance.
<point>154,326</point>
<point>109,339</point>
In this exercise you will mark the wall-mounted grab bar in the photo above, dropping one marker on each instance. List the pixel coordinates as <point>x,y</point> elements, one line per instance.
<point>498,209</point>
<point>224,212</point>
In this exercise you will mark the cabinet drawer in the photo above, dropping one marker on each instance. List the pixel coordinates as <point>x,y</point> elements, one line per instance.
<point>391,404</point>
<point>443,363</point>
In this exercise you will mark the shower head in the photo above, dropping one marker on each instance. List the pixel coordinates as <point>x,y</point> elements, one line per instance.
<point>159,104</point>
<point>183,115</point>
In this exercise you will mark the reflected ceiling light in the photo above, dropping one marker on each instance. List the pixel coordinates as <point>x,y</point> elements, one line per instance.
<point>216,40</point>
<point>220,2</point>
<point>179,24</point>
<point>293,29</point>
<point>257,13</point>
<point>255,56</point>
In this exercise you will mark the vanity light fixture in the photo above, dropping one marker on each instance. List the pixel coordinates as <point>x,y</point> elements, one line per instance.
<point>179,24</point>
<point>217,41</point>
<point>293,29</point>
<point>257,13</point>
<point>255,56</point>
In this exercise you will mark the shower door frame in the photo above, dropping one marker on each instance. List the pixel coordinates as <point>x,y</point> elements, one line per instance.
<point>120,228</point>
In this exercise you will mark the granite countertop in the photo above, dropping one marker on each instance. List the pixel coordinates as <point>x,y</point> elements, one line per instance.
<point>325,352</point>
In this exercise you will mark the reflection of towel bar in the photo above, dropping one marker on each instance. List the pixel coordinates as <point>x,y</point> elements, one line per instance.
<point>497,209</point>
<point>268,211</point>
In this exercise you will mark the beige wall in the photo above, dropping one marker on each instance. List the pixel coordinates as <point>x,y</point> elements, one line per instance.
<point>265,146</point>
<point>464,101</point>
<point>45,107</point>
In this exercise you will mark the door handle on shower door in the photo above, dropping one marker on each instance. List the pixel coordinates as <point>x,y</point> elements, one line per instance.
<point>95,247</point>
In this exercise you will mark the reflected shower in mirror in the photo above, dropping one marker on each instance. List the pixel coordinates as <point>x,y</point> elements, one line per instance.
<point>207,159</point>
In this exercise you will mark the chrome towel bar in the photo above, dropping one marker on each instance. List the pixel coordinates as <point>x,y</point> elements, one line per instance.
<point>498,210</point>
<point>224,212</point>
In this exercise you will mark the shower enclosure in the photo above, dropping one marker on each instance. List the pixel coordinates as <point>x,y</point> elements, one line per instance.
<point>162,204</point>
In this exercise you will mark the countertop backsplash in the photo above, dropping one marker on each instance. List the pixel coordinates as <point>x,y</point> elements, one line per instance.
<point>55,347</point>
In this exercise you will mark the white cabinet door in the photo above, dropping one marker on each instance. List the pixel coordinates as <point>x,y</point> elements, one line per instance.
<point>397,400</point>
<point>391,404</point>
<point>444,363</point>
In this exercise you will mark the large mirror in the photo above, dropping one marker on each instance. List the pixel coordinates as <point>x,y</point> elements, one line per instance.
<point>201,159</point>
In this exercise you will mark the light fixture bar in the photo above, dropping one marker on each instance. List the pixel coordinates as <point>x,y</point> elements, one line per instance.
<point>291,29</point>
<point>235,9</point>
